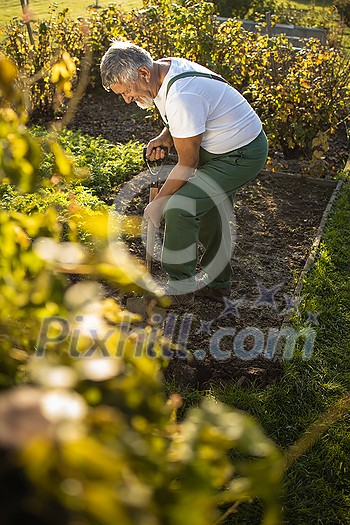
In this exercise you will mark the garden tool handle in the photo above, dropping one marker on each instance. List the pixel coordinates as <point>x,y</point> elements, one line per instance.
<point>153,192</point>
<point>151,236</point>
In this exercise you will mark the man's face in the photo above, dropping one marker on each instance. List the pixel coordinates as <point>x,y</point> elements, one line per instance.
<point>138,92</point>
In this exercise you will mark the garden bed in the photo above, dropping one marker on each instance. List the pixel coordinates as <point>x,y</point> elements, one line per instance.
<point>277,220</point>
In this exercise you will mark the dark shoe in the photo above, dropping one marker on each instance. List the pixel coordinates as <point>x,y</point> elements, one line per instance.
<point>214,294</point>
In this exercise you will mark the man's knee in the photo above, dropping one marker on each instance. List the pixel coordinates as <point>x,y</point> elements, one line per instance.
<point>179,207</point>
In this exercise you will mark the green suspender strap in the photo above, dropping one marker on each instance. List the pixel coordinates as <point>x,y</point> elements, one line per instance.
<point>190,74</point>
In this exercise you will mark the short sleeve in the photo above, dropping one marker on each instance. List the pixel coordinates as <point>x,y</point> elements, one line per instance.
<point>186,114</point>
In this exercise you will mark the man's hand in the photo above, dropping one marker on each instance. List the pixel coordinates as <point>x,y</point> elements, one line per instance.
<point>188,151</point>
<point>154,151</point>
<point>154,211</point>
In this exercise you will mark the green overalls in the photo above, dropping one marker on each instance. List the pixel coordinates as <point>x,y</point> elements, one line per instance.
<point>201,210</point>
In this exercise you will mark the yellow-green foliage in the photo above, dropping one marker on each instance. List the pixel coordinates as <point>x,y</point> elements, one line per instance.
<point>308,97</point>
<point>301,95</point>
<point>86,433</point>
<point>57,40</point>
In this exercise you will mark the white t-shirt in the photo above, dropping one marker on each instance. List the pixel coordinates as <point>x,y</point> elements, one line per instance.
<point>197,105</point>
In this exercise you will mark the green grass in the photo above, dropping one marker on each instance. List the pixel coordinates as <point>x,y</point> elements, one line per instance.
<point>317,486</point>
<point>319,5</point>
<point>40,8</point>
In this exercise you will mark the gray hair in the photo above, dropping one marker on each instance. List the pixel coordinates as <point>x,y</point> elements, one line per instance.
<point>121,62</point>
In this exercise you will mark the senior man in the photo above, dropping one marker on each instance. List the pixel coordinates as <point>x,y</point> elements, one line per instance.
<point>221,146</point>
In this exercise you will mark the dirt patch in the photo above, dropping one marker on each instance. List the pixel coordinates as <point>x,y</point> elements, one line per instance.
<point>276,223</point>
<point>102,113</point>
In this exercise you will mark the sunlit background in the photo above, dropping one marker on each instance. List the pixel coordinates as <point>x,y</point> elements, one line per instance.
<point>40,8</point>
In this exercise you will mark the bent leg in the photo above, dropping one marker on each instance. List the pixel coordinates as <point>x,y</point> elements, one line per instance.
<point>216,237</point>
<point>179,255</point>
<point>226,174</point>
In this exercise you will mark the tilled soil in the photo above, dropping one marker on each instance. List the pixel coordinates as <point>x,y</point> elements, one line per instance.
<point>276,222</point>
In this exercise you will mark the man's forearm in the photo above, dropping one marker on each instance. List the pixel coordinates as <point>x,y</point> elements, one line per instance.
<point>188,152</point>
<point>176,179</point>
<point>167,137</point>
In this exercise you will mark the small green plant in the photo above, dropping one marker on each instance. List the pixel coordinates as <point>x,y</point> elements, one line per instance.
<point>106,165</point>
<point>98,164</point>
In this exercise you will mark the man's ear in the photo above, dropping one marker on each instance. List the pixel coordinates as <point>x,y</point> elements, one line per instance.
<point>145,73</point>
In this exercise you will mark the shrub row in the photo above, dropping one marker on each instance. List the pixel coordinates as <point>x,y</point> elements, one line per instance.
<point>301,95</point>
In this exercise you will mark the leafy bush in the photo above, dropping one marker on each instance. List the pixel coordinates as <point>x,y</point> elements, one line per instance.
<point>53,37</point>
<point>301,95</point>
<point>56,37</point>
<point>302,101</point>
<point>184,29</point>
<point>86,433</point>
<point>98,164</point>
